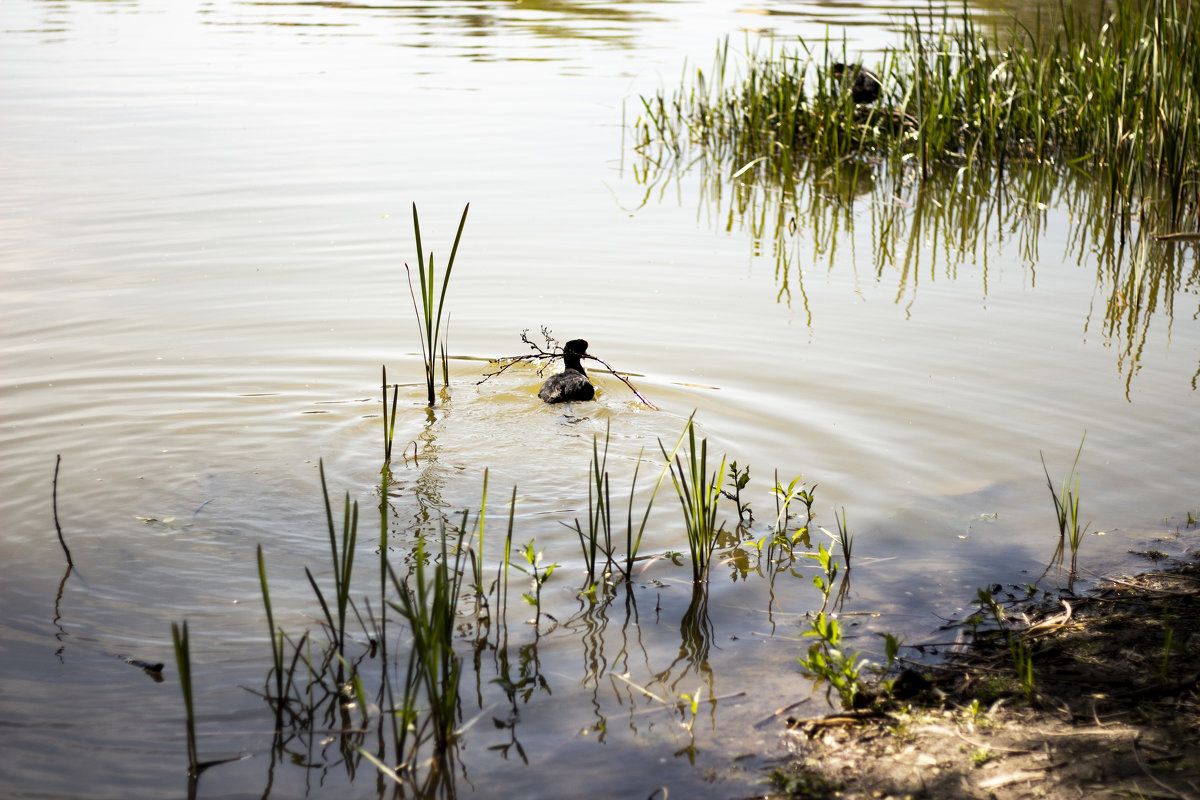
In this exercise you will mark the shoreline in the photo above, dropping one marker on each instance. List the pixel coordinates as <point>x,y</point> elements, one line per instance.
<point>1110,707</point>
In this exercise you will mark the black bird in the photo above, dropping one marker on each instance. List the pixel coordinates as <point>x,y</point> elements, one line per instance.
<point>865,86</point>
<point>572,383</point>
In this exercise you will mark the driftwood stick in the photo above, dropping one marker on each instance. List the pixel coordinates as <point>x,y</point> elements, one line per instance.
<point>54,496</point>
<point>625,381</point>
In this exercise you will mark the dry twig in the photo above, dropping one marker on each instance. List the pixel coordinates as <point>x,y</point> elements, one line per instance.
<point>551,351</point>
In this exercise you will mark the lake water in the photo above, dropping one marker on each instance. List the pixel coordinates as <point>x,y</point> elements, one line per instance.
<point>205,212</point>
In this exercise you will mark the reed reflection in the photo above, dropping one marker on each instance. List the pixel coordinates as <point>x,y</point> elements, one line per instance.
<point>953,224</point>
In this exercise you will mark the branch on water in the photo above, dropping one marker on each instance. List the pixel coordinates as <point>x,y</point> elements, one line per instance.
<point>547,354</point>
<point>539,354</point>
<point>54,503</point>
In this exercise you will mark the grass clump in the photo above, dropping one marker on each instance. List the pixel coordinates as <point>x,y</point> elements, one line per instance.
<point>1066,512</point>
<point>600,535</point>
<point>429,604</point>
<point>1120,97</point>
<point>699,493</point>
<point>429,312</point>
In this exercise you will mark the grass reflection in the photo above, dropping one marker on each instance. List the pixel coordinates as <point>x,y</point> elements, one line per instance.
<point>953,221</point>
<point>976,139</point>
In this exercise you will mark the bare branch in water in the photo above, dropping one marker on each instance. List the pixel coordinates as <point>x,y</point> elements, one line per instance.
<point>539,354</point>
<point>551,351</point>
<point>625,381</point>
<point>61,540</point>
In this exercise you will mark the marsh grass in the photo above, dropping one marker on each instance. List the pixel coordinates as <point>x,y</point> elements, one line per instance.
<point>183,662</point>
<point>277,645</point>
<point>598,538</point>
<point>699,493</point>
<point>1120,98</point>
<point>602,531</point>
<point>845,538</point>
<point>1066,512</point>
<point>322,689</point>
<point>342,555</point>
<point>432,306</point>
<point>428,602</point>
<point>389,425</point>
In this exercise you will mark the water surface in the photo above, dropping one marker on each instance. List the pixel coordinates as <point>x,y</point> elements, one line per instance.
<point>204,219</point>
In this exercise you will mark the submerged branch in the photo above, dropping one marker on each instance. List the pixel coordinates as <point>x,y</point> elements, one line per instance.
<point>547,354</point>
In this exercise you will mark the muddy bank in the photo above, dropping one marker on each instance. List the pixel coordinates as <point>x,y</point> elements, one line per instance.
<point>1112,710</point>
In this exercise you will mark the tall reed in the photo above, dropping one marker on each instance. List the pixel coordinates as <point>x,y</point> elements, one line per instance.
<point>342,555</point>
<point>183,662</point>
<point>699,493</point>
<point>429,603</point>
<point>1121,98</point>
<point>601,533</point>
<point>433,301</point>
<point>597,538</point>
<point>845,537</point>
<point>277,641</point>
<point>389,422</point>
<point>1066,512</point>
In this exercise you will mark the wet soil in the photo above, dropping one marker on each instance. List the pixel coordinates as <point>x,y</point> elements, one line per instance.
<point>1113,710</point>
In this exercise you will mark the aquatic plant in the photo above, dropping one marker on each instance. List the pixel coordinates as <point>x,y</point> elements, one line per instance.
<point>1121,97</point>
<point>429,605</point>
<point>413,698</point>
<point>784,496</point>
<point>824,580</point>
<point>277,641</point>
<point>342,556</point>
<point>738,478</point>
<point>183,662</point>
<point>699,493</point>
<point>429,312</point>
<point>538,574</point>
<point>1066,512</point>
<point>845,537</point>
<point>389,423</point>
<point>827,662</point>
<point>599,537</point>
